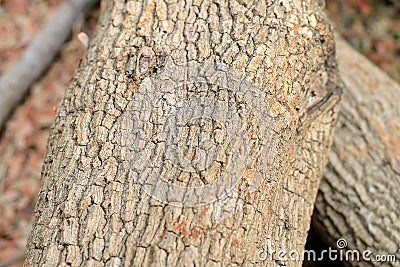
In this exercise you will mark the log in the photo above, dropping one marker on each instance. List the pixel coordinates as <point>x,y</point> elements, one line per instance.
<point>359,196</point>
<point>194,134</point>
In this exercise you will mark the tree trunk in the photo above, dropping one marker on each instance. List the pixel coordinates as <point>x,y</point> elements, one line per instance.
<point>194,134</point>
<point>359,198</point>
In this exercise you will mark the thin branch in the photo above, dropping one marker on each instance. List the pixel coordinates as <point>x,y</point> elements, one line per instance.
<point>15,81</point>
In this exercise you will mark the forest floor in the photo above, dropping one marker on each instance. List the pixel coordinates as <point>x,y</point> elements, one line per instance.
<point>372,26</point>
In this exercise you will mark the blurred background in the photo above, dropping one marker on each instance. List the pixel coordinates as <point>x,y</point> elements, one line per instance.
<point>371,26</point>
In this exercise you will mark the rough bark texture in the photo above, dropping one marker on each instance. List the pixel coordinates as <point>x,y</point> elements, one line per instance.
<point>91,209</point>
<point>359,198</point>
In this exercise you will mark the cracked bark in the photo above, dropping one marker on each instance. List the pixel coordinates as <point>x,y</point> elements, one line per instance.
<point>358,198</point>
<point>91,210</point>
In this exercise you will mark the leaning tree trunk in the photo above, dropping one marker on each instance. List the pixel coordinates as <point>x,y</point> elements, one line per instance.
<point>359,198</point>
<point>195,133</point>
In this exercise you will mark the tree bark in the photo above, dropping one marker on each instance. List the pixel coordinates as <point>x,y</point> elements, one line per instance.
<point>271,63</point>
<point>359,197</point>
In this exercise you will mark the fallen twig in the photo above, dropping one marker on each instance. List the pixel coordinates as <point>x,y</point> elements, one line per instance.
<point>15,81</point>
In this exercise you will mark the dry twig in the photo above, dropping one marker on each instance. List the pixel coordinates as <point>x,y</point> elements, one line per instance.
<point>15,81</point>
